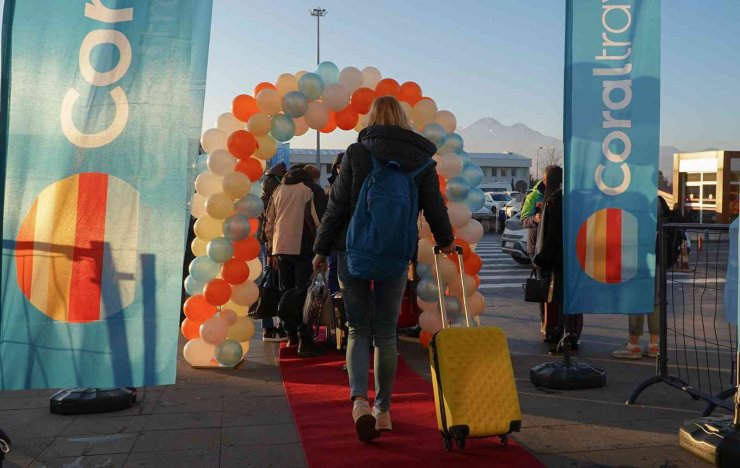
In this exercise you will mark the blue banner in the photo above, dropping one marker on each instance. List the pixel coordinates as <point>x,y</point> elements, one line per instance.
<point>282,155</point>
<point>611,136</point>
<point>97,95</point>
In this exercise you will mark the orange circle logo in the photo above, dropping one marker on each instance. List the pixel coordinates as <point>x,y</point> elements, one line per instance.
<point>606,246</point>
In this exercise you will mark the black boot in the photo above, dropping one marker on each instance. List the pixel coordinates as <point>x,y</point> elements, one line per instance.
<point>307,348</point>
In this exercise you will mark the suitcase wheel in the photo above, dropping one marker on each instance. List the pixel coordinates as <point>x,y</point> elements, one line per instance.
<point>504,440</point>
<point>460,443</point>
<point>447,440</point>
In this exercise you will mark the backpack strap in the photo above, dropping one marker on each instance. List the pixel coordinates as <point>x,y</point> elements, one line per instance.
<point>421,168</point>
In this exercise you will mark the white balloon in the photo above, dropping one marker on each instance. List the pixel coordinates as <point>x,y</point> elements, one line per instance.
<point>213,139</point>
<point>457,289</point>
<point>198,353</point>
<point>450,165</point>
<point>430,321</point>
<point>269,102</point>
<point>286,83</point>
<point>221,162</point>
<point>425,251</point>
<point>447,120</point>
<point>198,205</point>
<point>459,214</point>
<point>255,269</point>
<point>370,77</point>
<point>208,183</point>
<point>336,96</point>
<point>471,232</point>
<point>229,124</point>
<point>447,270</point>
<point>245,294</point>
<point>351,78</point>
<point>301,127</point>
<point>317,115</point>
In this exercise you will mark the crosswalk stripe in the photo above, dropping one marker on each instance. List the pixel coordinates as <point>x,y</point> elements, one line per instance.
<point>501,277</point>
<point>500,286</point>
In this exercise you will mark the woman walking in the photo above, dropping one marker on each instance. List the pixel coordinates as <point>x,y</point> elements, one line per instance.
<point>388,137</point>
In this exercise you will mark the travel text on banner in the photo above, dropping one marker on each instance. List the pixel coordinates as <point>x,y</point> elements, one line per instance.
<point>96,105</point>
<point>611,136</point>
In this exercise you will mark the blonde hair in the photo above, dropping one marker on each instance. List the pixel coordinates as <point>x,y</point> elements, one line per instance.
<point>387,110</point>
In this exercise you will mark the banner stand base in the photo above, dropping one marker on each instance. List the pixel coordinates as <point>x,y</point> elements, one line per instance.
<point>567,375</point>
<point>92,400</point>
<point>714,439</point>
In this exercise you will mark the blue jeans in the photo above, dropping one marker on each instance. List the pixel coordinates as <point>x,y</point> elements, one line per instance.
<point>371,320</point>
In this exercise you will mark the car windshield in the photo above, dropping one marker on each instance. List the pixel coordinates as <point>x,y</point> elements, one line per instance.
<point>500,197</point>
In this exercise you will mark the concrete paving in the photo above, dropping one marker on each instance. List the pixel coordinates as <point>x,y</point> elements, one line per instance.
<point>241,417</point>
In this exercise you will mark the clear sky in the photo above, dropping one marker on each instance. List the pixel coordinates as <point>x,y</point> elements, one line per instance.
<point>478,58</point>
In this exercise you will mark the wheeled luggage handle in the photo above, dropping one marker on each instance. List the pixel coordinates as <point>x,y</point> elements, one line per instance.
<point>442,306</point>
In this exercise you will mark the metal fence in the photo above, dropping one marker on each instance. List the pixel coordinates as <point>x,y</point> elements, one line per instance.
<point>697,342</point>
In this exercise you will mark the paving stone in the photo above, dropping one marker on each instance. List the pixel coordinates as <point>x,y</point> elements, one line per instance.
<point>158,422</point>
<point>92,424</point>
<point>94,444</point>
<point>85,461</point>
<point>257,411</point>
<point>282,456</point>
<point>33,422</point>
<point>178,439</point>
<point>248,436</point>
<point>25,450</point>
<point>199,458</point>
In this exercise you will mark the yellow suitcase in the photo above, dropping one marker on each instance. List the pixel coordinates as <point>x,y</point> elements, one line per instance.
<point>474,388</point>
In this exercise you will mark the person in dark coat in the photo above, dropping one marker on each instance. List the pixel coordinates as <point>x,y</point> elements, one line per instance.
<point>549,251</point>
<point>331,276</point>
<point>372,314</point>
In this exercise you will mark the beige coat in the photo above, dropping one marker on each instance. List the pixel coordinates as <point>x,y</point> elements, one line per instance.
<point>292,220</point>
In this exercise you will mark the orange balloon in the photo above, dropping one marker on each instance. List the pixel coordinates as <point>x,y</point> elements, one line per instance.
<point>241,144</point>
<point>198,310</point>
<point>442,184</point>
<point>477,281</point>
<point>331,125</point>
<point>190,329</point>
<point>362,100</point>
<point>235,271</point>
<point>244,106</point>
<point>217,292</point>
<point>473,264</point>
<point>250,167</point>
<point>347,119</point>
<point>247,249</point>
<point>264,85</point>
<point>425,338</point>
<point>465,246</point>
<point>254,225</point>
<point>410,93</point>
<point>387,87</point>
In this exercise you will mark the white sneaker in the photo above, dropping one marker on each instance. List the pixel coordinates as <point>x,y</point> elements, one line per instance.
<point>628,351</point>
<point>382,420</point>
<point>651,351</point>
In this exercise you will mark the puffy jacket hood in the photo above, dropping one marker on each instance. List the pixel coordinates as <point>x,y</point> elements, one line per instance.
<point>392,143</point>
<point>277,170</point>
<point>296,176</point>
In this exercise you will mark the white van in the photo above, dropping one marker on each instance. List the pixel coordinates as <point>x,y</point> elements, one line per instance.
<point>495,187</point>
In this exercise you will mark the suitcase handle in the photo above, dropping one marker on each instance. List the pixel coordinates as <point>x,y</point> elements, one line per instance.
<point>442,306</point>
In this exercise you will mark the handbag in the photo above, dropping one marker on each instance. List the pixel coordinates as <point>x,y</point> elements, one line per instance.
<point>266,305</point>
<point>318,308</point>
<point>539,289</point>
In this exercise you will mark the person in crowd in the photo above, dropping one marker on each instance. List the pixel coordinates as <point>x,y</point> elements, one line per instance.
<point>388,136</point>
<point>530,216</point>
<point>273,177</point>
<point>293,217</point>
<point>332,277</point>
<point>631,349</point>
<point>313,172</point>
<point>549,251</point>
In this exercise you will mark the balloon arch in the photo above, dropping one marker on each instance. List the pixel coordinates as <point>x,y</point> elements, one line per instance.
<point>227,201</point>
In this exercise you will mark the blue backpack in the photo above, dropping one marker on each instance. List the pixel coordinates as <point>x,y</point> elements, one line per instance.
<point>382,236</point>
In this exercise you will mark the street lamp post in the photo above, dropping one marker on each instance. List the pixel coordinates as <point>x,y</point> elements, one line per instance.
<point>318,13</point>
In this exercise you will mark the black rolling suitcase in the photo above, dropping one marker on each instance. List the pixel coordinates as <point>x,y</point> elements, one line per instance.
<point>92,400</point>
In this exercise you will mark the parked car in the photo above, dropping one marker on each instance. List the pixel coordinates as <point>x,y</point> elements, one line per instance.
<point>515,239</point>
<point>500,200</point>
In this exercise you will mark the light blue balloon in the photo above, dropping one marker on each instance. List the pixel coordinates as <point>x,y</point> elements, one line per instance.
<point>282,127</point>
<point>311,85</point>
<point>203,269</point>
<point>220,250</point>
<point>295,104</point>
<point>328,72</point>
<point>201,164</point>
<point>229,353</point>
<point>427,290</point>
<point>256,188</point>
<point>435,133</point>
<point>472,174</point>
<point>193,286</point>
<point>423,270</point>
<point>465,157</point>
<point>475,200</point>
<point>250,206</point>
<point>453,144</point>
<point>236,228</point>
<point>457,189</point>
<point>452,306</point>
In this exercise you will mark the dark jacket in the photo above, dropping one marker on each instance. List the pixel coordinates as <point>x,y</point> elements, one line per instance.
<point>550,257</point>
<point>387,143</point>
<point>272,179</point>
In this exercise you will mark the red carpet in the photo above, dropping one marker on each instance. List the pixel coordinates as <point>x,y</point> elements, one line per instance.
<point>318,394</point>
